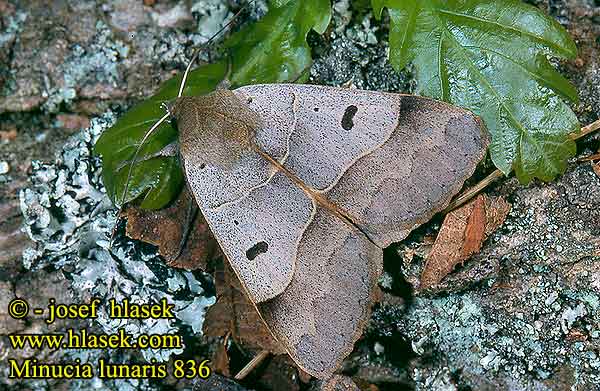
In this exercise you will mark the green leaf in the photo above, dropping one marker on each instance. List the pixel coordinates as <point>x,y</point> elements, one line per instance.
<point>492,58</point>
<point>273,49</point>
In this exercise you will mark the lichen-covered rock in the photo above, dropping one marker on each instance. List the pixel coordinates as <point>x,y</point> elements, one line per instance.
<point>533,323</point>
<point>109,52</point>
<point>70,219</point>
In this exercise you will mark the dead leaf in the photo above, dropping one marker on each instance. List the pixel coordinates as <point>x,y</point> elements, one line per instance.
<point>278,373</point>
<point>234,313</point>
<point>364,385</point>
<point>220,360</point>
<point>165,228</point>
<point>462,234</point>
<point>475,230</point>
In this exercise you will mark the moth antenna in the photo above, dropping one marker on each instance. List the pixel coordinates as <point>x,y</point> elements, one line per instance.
<point>182,85</point>
<point>130,172</point>
<point>199,50</point>
<point>165,117</point>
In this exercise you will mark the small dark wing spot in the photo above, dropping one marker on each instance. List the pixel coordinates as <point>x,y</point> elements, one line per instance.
<point>256,250</point>
<point>316,109</point>
<point>202,166</point>
<point>250,99</point>
<point>348,118</point>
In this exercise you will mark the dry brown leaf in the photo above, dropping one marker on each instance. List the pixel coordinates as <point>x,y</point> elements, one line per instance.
<point>475,230</point>
<point>165,228</point>
<point>220,360</point>
<point>278,373</point>
<point>594,161</point>
<point>234,313</point>
<point>462,234</point>
<point>363,384</point>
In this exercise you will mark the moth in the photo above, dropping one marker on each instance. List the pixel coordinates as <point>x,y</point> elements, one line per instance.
<point>304,186</point>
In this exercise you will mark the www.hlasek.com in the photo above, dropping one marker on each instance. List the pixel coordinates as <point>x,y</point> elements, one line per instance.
<point>83,339</point>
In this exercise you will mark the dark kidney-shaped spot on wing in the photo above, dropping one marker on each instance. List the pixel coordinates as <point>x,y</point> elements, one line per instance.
<point>348,118</point>
<point>256,250</point>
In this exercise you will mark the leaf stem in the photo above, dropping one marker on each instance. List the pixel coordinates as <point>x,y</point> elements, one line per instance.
<point>589,129</point>
<point>473,191</point>
<point>259,358</point>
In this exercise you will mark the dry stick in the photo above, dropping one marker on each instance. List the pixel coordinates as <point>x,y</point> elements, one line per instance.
<point>472,192</point>
<point>260,357</point>
<point>590,158</point>
<point>591,128</point>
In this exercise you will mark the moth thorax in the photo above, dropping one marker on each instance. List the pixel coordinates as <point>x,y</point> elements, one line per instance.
<point>214,129</point>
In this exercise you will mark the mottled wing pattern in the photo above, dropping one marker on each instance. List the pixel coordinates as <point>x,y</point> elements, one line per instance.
<point>388,161</point>
<point>324,309</point>
<point>260,234</point>
<point>333,127</point>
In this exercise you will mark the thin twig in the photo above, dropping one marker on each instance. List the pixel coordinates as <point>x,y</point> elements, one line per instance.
<point>259,358</point>
<point>473,191</point>
<point>589,158</point>
<point>591,128</point>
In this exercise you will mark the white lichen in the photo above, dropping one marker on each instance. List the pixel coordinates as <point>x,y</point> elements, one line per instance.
<point>70,218</point>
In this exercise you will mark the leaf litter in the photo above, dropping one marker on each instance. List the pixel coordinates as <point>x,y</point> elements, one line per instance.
<point>69,219</point>
<point>234,314</point>
<point>463,232</point>
<point>472,243</point>
<point>165,228</point>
